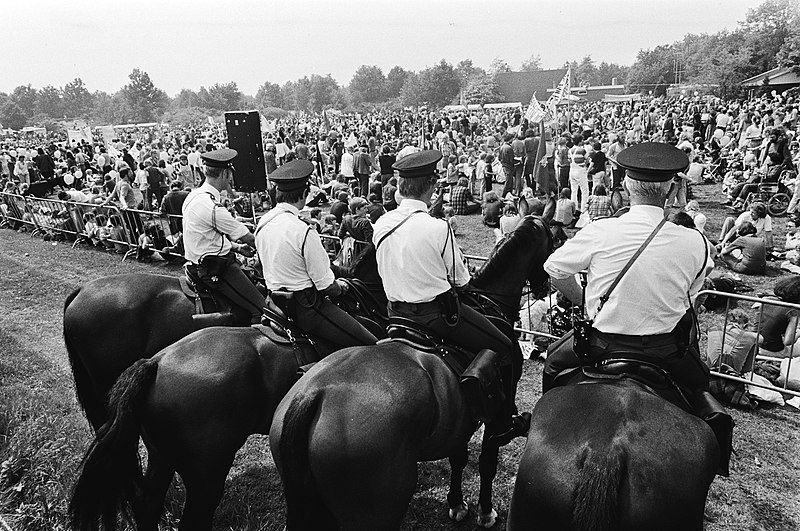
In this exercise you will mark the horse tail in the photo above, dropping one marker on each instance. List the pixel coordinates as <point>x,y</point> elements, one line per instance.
<point>305,509</point>
<point>111,470</point>
<point>596,497</point>
<point>95,412</point>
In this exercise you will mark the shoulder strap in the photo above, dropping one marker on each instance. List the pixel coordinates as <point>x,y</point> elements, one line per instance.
<point>261,226</point>
<point>395,228</point>
<point>607,294</point>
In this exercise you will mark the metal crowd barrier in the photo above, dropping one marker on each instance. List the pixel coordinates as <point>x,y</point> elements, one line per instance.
<point>759,352</point>
<point>15,212</point>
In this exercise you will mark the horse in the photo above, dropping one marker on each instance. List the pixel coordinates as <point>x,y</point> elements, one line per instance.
<point>193,404</point>
<point>611,455</point>
<point>111,322</point>
<point>347,438</point>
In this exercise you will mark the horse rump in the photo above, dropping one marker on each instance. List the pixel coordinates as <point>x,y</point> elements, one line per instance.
<point>110,471</point>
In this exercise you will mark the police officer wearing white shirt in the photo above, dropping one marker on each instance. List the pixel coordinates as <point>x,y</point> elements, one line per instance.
<point>297,268</point>
<point>642,314</point>
<point>210,236</point>
<point>419,262</point>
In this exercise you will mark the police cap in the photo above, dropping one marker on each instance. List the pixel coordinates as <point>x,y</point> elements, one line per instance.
<point>420,164</point>
<point>292,176</point>
<point>219,158</point>
<point>652,161</point>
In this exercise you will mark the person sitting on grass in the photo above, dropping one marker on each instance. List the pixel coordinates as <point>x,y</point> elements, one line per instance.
<point>491,209</point>
<point>598,204</point>
<point>747,253</point>
<point>757,215</point>
<point>508,222</point>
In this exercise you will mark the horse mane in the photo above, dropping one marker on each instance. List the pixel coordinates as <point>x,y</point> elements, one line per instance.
<point>524,236</point>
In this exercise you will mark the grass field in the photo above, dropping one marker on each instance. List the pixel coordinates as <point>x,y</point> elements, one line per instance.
<point>43,434</point>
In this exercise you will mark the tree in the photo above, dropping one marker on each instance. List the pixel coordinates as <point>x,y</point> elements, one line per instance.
<point>368,84</point>
<point>531,64</point>
<point>653,70</point>
<point>789,54</point>
<point>481,89</point>
<point>438,84</point>
<point>25,97</point>
<point>221,97</point>
<point>112,109</point>
<point>585,71</point>
<point>323,91</point>
<point>12,115</point>
<point>498,65</point>
<point>77,99</point>
<point>145,102</point>
<point>185,99</point>
<point>49,102</point>
<point>269,95</point>
<point>410,94</point>
<point>765,30</point>
<point>395,80</point>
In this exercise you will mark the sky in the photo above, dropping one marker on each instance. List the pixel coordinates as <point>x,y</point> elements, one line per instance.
<point>189,44</point>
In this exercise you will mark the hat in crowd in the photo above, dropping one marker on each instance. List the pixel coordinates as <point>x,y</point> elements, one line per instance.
<point>652,161</point>
<point>219,158</point>
<point>292,176</point>
<point>420,164</point>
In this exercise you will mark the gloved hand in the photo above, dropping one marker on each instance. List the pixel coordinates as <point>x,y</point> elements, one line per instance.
<point>344,287</point>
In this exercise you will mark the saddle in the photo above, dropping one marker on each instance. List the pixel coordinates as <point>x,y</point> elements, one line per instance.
<point>280,328</point>
<point>657,381</point>
<point>478,373</point>
<point>209,310</point>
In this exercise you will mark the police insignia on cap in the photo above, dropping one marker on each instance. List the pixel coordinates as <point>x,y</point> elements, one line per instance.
<point>219,158</point>
<point>420,164</point>
<point>292,176</point>
<point>652,161</point>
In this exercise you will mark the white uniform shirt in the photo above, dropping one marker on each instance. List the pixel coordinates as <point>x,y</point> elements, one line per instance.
<point>415,260</point>
<point>287,262</point>
<point>652,296</point>
<point>204,223</point>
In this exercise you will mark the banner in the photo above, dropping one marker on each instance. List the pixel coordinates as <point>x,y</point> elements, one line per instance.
<point>108,134</point>
<point>561,92</point>
<point>326,124</point>
<point>535,112</point>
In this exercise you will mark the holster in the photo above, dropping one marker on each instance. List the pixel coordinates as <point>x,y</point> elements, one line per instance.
<point>450,306</point>
<point>212,267</point>
<point>482,388</point>
<point>582,330</point>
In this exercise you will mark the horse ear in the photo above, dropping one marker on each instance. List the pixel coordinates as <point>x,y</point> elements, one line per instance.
<point>549,210</point>
<point>523,208</point>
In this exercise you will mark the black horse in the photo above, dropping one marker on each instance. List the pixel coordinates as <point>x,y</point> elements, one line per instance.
<point>348,436</point>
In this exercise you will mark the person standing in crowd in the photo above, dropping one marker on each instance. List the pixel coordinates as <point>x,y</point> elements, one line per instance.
<point>361,169</point>
<point>45,165</point>
<point>172,206</point>
<point>385,160</point>
<point>562,163</point>
<point>421,266</point>
<point>211,236</point>
<point>518,147</point>
<point>531,147</point>
<point>297,269</point>
<point>155,180</point>
<point>578,178</point>
<point>651,320</point>
<point>506,157</point>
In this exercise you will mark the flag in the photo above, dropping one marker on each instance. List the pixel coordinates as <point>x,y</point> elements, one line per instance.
<point>535,112</point>
<point>562,91</point>
<point>264,123</point>
<point>210,120</point>
<point>326,124</point>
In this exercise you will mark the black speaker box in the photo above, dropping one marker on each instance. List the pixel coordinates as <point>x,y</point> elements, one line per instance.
<point>244,135</point>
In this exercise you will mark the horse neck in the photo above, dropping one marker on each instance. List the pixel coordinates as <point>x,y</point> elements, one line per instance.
<point>506,289</point>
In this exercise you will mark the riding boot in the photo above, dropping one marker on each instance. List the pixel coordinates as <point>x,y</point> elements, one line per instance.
<point>548,381</point>
<point>509,424</point>
<point>711,411</point>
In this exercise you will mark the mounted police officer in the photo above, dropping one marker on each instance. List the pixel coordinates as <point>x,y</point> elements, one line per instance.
<point>638,305</point>
<point>211,236</point>
<point>297,268</point>
<point>422,267</point>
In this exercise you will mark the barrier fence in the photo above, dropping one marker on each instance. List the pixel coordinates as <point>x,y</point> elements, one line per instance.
<point>121,230</point>
<point>785,357</point>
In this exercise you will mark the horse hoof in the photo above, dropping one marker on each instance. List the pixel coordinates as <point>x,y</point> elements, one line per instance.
<point>487,520</point>
<point>457,514</point>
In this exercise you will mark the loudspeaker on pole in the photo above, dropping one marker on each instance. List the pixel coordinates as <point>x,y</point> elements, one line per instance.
<point>244,135</point>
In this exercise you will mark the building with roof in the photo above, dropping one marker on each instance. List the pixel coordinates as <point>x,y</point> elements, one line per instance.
<point>778,79</point>
<point>520,86</point>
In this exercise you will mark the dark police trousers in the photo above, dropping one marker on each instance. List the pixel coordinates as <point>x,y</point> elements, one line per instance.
<point>473,332</point>
<point>322,320</point>
<point>688,370</point>
<point>232,283</point>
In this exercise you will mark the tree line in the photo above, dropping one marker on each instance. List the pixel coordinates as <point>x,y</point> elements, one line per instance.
<point>768,37</point>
